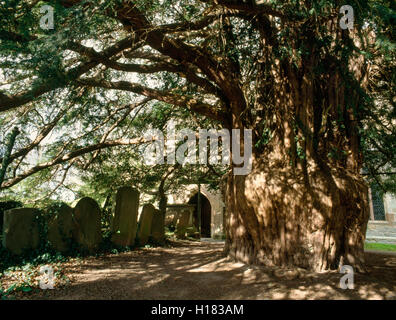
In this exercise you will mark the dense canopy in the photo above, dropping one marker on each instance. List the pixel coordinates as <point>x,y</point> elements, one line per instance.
<point>320,100</point>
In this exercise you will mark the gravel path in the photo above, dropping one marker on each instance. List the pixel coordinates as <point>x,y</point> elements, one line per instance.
<point>198,270</point>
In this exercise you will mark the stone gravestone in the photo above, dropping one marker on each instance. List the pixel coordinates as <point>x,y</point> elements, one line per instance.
<point>171,216</point>
<point>4,206</point>
<point>158,227</point>
<point>87,217</point>
<point>20,229</point>
<point>124,224</point>
<point>145,221</point>
<point>183,223</point>
<point>61,227</point>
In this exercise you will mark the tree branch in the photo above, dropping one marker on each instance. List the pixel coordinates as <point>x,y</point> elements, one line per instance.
<point>216,70</point>
<point>251,8</point>
<point>42,134</point>
<point>165,96</point>
<point>9,102</point>
<point>69,156</point>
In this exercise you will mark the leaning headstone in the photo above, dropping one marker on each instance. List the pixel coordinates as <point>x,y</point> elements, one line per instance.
<point>145,221</point>
<point>20,229</point>
<point>61,227</point>
<point>87,224</point>
<point>124,224</point>
<point>158,227</point>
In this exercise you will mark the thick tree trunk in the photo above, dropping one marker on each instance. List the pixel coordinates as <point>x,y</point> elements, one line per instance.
<point>279,216</point>
<point>304,204</point>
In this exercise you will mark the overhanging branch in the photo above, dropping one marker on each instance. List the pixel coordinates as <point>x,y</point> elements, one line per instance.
<point>165,96</point>
<point>69,156</point>
<point>8,102</point>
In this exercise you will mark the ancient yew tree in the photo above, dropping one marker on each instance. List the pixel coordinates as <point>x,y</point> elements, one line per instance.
<point>285,69</point>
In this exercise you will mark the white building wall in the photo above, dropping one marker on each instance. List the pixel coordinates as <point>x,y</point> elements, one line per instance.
<point>390,207</point>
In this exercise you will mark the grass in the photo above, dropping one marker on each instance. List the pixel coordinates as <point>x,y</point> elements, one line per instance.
<point>380,246</point>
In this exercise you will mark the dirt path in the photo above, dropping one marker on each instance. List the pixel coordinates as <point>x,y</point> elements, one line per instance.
<point>199,271</point>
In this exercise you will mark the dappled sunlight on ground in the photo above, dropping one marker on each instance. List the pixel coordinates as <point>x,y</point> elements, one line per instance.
<point>193,270</point>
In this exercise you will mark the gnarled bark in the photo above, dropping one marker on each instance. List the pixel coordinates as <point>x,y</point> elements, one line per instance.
<point>304,203</point>
<point>276,216</point>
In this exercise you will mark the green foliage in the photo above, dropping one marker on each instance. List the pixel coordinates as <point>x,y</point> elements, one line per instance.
<point>87,114</point>
<point>7,294</point>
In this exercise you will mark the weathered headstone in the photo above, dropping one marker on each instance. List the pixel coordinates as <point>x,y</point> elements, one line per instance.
<point>124,224</point>
<point>60,228</point>
<point>88,225</point>
<point>171,217</point>
<point>158,227</point>
<point>183,223</point>
<point>20,229</point>
<point>144,229</point>
<point>7,205</point>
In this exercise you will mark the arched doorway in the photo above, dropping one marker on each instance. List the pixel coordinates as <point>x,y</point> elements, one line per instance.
<point>206,210</point>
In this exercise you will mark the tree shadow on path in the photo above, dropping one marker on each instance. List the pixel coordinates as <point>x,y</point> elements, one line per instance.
<point>199,270</point>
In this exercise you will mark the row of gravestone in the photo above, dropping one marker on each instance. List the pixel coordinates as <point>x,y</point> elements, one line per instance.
<point>83,225</point>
